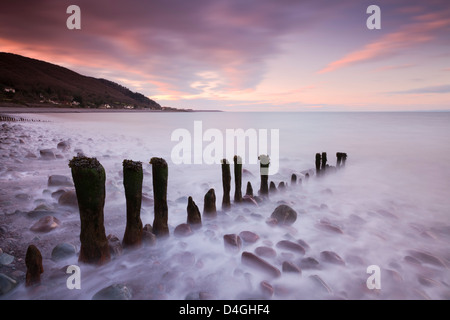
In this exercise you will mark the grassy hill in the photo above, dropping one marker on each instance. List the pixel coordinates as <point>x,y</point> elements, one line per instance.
<point>32,82</point>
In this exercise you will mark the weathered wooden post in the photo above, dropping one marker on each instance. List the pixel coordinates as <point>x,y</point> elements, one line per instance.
<point>324,161</point>
<point>132,182</point>
<point>318,160</point>
<point>264,163</point>
<point>33,261</point>
<point>209,204</point>
<point>160,174</point>
<point>226,183</point>
<point>293,179</point>
<point>249,190</point>
<point>194,218</point>
<point>89,180</point>
<point>237,179</point>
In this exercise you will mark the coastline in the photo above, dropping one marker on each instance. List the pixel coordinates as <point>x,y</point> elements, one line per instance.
<point>14,109</point>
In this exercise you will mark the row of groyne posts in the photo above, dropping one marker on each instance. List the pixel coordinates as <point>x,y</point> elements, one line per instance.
<point>89,179</point>
<point>8,118</point>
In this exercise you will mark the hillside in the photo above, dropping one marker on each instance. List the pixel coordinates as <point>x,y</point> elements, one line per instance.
<point>32,82</point>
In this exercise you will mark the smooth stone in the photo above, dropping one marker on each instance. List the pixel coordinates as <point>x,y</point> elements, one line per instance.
<point>428,258</point>
<point>284,215</point>
<point>332,257</point>
<point>46,224</point>
<point>265,252</point>
<point>58,180</point>
<point>6,284</point>
<point>183,230</point>
<point>232,242</point>
<point>63,251</point>
<point>317,280</point>
<point>47,154</point>
<point>251,260</point>
<point>309,263</point>
<point>68,198</point>
<point>290,268</point>
<point>6,259</point>
<point>63,145</point>
<point>291,246</point>
<point>248,236</point>
<point>113,292</point>
<point>115,245</point>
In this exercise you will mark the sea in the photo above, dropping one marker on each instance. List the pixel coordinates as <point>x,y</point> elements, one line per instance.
<point>376,227</point>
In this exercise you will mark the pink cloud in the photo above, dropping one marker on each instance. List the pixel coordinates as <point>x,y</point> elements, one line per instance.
<point>409,36</point>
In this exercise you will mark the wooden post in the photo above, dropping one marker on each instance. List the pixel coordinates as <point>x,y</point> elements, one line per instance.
<point>89,180</point>
<point>237,179</point>
<point>33,261</point>
<point>132,182</point>
<point>226,183</point>
<point>160,174</point>
<point>318,160</point>
<point>209,204</point>
<point>264,172</point>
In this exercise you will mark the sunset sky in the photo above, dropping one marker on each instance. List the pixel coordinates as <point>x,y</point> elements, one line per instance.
<point>248,55</point>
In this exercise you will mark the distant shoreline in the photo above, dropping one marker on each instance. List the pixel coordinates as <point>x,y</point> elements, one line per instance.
<point>17,109</point>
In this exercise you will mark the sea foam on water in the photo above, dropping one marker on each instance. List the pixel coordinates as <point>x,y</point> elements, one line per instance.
<point>387,207</point>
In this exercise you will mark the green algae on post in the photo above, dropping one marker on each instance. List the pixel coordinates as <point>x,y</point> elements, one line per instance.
<point>226,183</point>
<point>89,179</point>
<point>132,182</point>
<point>160,174</point>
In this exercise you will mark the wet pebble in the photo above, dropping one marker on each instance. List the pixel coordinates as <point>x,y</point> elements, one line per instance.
<point>253,261</point>
<point>332,257</point>
<point>58,180</point>
<point>232,242</point>
<point>289,267</point>
<point>63,251</point>
<point>113,292</point>
<point>284,215</point>
<point>248,237</point>
<point>183,230</point>
<point>6,284</point>
<point>291,246</point>
<point>265,252</point>
<point>46,224</point>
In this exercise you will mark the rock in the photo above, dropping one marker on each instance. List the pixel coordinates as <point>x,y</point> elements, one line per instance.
<point>329,226</point>
<point>147,201</point>
<point>115,246</point>
<point>6,284</point>
<point>30,155</point>
<point>265,252</point>
<point>303,244</point>
<point>232,242</point>
<point>63,145</point>
<point>309,263</point>
<point>113,292</point>
<point>47,154</point>
<point>332,257</point>
<point>253,261</point>
<point>23,196</point>
<point>320,283</point>
<point>284,215</point>
<point>248,237</point>
<point>428,258</point>
<point>58,193</point>
<point>290,268</point>
<point>68,198</point>
<point>46,224</point>
<point>148,237</point>
<point>250,200</point>
<point>291,246</point>
<point>63,251</point>
<point>58,180</point>
<point>183,230</point>
<point>5,259</point>
<point>266,289</point>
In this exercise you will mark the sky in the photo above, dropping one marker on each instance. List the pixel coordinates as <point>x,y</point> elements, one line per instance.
<point>248,55</point>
